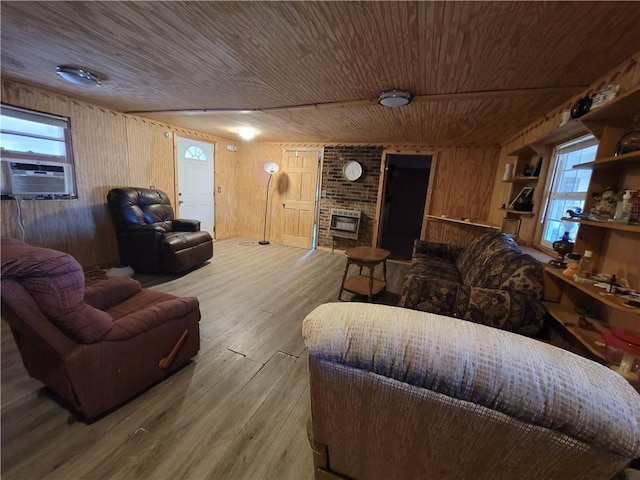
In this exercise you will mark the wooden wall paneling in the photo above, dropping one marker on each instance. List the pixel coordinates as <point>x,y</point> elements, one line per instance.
<point>452,233</point>
<point>250,186</point>
<point>377,238</point>
<point>110,150</point>
<point>225,185</point>
<point>500,194</point>
<point>622,256</point>
<point>151,156</point>
<point>100,162</point>
<point>464,182</point>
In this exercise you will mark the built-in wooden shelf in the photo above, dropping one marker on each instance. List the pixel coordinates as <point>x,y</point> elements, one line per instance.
<point>609,299</point>
<point>521,180</point>
<point>527,150</point>
<point>567,319</point>
<point>621,161</point>
<point>616,112</point>
<point>519,212</point>
<point>571,129</point>
<point>473,223</point>
<point>625,227</point>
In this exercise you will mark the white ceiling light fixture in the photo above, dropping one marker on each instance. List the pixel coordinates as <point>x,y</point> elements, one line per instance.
<point>78,76</point>
<point>395,98</point>
<point>246,133</point>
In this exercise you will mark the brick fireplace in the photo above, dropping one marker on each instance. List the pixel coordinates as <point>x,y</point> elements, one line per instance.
<point>361,195</point>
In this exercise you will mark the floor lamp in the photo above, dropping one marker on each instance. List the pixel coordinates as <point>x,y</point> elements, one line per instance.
<point>270,168</point>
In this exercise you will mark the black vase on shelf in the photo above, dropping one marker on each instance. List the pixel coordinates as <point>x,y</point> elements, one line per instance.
<point>581,107</point>
<point>562,247</point>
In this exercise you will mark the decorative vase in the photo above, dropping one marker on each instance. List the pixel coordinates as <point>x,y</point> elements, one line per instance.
<point>563,247</point>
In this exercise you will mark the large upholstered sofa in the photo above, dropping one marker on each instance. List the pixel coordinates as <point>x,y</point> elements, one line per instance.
<point>398,393</point>
<point>98,346</point>
<point>489,281</point>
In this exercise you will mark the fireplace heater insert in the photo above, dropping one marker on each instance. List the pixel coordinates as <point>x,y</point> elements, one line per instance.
<point>345,223</point>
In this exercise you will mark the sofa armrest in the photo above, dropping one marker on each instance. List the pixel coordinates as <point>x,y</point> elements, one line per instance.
<point>186,225</point>
<point>515,375</point>
<point>150,317</point>
<point>512,310</point>
<point>442,250</point>
<point>107,293</point>
<point>145,227</point>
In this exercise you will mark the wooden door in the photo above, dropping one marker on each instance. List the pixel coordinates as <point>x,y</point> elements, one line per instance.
<point>299,198</point>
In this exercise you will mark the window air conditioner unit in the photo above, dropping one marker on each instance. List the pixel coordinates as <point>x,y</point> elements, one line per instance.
<point>36,178</point>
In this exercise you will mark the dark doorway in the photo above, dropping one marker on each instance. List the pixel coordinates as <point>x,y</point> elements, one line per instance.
<point>405,192</point>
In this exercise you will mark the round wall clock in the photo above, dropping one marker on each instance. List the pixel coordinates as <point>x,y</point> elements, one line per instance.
<point>352,170</point>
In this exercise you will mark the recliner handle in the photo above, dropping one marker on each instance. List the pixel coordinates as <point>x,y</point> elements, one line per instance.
<point>168,360</point>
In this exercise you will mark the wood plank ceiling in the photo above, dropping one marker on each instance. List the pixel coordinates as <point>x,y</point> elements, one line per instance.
<point>333,57</point>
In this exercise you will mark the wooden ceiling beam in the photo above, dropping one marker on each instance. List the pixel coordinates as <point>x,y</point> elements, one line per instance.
<point>569,90</point>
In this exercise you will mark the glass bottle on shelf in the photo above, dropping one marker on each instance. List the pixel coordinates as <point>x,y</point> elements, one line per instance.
<point>585,269</point>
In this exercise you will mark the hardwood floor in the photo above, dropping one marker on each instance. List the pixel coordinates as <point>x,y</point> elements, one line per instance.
<point>238,411</point>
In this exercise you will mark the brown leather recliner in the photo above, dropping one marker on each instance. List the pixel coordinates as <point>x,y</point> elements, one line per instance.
<point>99,346</point>
<point>150,239</point>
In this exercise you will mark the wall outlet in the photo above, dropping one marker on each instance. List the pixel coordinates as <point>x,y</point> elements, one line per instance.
<point>232,148</point>
<point>323,193</point>
<point>152,187</point>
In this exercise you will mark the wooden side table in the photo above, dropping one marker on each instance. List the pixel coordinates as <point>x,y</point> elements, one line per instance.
<point>365,257</point>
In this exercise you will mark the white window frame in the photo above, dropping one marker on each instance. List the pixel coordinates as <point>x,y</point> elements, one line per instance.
<point>555,177</point>
<point>7,155</point>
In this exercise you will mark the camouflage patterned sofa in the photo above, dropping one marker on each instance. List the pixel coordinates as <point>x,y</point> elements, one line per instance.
<point>489,281</point>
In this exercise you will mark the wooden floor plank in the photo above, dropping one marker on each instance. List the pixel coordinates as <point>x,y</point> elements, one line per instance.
<point>291,452</point>
<point>238,410</point>
<point>254,445</point>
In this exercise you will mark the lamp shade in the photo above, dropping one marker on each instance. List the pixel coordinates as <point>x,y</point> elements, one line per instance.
<point>271,167</point>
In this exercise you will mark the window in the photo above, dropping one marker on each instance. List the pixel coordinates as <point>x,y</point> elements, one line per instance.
<point>194,152</point>
<point>568,188</point>
<point>35,150</point>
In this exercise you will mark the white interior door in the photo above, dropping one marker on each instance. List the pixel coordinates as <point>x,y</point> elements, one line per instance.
<point>196,181</point>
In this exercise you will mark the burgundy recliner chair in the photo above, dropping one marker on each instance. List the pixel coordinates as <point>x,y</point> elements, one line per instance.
<point>98,346</point>
<point>150,239</point>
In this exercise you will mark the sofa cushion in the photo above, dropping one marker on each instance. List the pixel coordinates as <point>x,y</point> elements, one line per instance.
<point>482,253</point>
<point>434,267</point>
<point>56,281</point>
<point>176,241</point>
